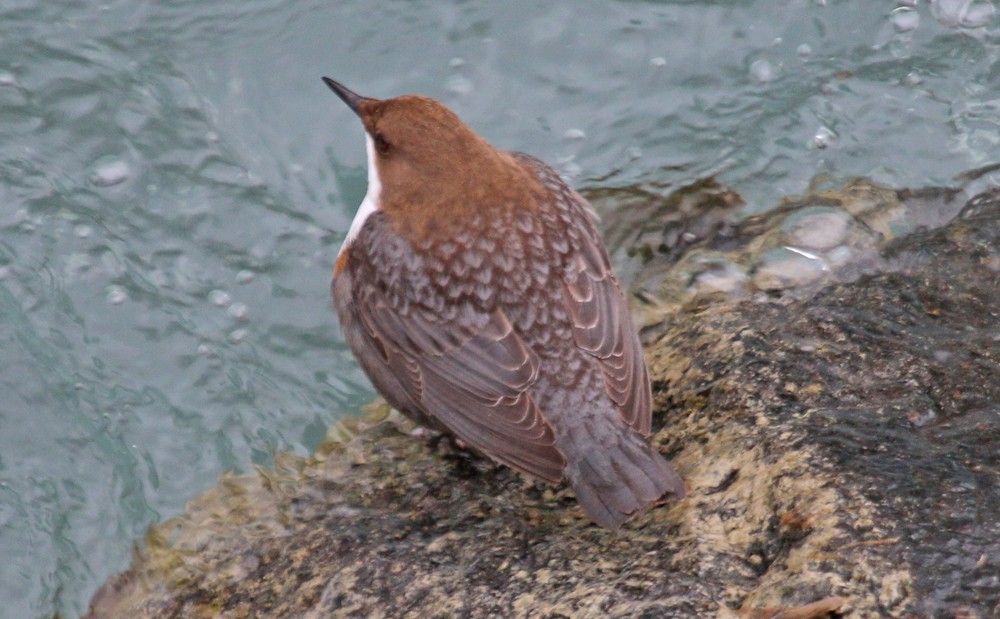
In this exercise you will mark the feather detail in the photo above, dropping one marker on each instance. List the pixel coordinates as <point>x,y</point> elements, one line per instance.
<point>479,299</point>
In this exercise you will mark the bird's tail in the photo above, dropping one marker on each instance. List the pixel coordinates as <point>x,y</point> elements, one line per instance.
<point>617,474</point>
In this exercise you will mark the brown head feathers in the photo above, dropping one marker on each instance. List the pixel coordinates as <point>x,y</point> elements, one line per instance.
<point>433,169</point>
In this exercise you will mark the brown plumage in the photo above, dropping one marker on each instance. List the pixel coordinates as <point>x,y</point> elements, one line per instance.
<point>479,299</point>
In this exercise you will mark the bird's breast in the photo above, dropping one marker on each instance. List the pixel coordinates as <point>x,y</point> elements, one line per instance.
<point>369,205</point>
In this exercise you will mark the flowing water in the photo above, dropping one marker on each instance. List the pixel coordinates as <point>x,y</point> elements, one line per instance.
<point>175,181</point>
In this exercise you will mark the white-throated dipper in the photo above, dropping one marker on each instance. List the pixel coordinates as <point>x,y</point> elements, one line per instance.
<point>479,299</point>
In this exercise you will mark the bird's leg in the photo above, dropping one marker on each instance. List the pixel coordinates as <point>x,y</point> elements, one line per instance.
<point>467,461</point>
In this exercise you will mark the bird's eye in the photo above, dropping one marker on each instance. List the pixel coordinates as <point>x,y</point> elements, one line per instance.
<point>381,144</point>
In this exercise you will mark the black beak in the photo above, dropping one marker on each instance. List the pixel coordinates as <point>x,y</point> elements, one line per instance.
<point>350,98</point>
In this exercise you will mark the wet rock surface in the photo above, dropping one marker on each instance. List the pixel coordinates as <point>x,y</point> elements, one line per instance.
<point>840,437</point>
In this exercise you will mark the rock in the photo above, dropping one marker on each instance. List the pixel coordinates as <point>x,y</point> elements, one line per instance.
<point>840,440</point>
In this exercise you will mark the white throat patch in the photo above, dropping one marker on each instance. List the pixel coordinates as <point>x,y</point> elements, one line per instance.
<point>370,204</point>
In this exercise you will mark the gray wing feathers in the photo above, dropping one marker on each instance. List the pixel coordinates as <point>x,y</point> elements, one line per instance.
<point>602,325</point>
<point>473,379</point>
<point>396,378</point>
<point>612,490</point>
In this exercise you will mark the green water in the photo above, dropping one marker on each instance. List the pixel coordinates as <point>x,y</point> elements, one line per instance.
<point>175,181</point>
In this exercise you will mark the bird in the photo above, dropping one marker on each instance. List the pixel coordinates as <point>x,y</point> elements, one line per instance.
<point>477,296</point>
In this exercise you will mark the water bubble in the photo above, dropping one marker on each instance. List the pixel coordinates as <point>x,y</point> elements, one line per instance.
<point>109,171</point>
<point>315,231</point>
<point>458,85</point>
<point>571,169</point>
<point>723,278</point>
<point>840,256</point>
<point>786,267</point>
<point>204,349</point>
<point>804,50</point>
<point>761,70</point>
<point>116,295</point>
<point>574,134</point>
<point>817,227</point>
<point>912,79</point>
<point>824,137</point>
<point>658,61</point>
<point>978,15</point>
<point>7,79</point>
<point>219,298</point>
<point>23,220</point>
<point>456,62</point>
<point>805,253</point>
<point>260,251</point>
<point>83,231</point>
<point>963,13</point>
<point>238,310</point>
<point>238,335</point>
<point>905,19</point>
<point>78,264</point>
<point>245,276</point>
<point>633,152</point>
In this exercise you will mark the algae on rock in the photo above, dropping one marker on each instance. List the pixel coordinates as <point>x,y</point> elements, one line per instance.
<point>839,440</point>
